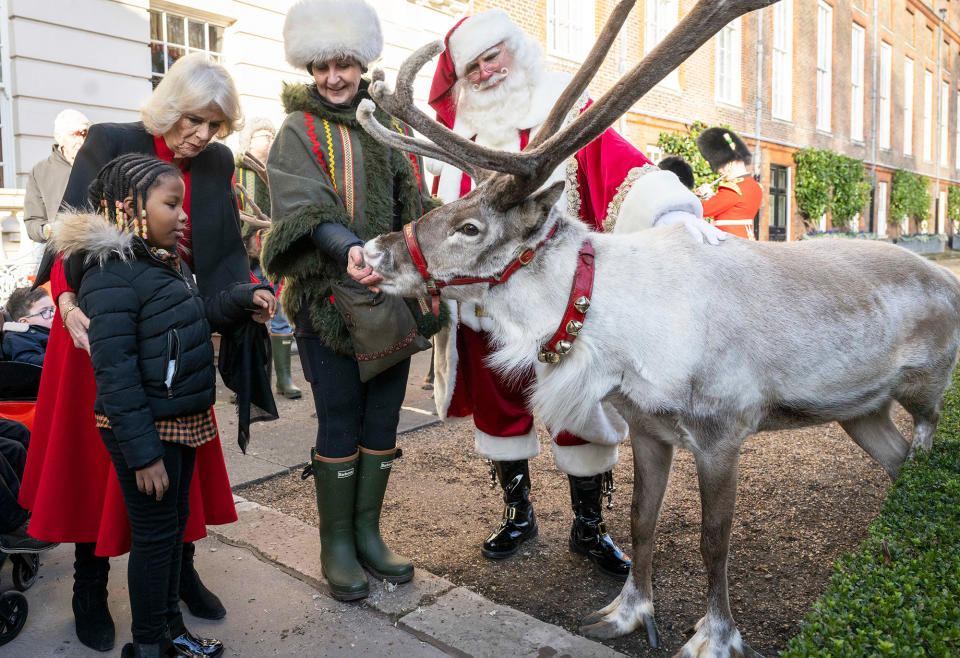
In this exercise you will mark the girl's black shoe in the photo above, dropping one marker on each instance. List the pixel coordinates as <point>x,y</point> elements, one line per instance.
<point>201,602</point>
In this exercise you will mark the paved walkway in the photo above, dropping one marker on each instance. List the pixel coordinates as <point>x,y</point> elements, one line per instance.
<point>266,568</point>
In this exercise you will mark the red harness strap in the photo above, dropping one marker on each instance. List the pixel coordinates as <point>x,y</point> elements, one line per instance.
<point>572,322</point>
<point>434,286</point>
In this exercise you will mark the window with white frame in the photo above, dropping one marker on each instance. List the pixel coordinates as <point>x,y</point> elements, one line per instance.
<point>927,115</point>
<point>944,127</point>
<point>728,64</point>
<point>570,28</point>
<point>781,83</point>
<point>660,17</point>
<point>856,82</point>
<point>174,35</point>
<point>881,200</point>
<point>908,94</point>
<point>824,64</point>
<point>883,96</point>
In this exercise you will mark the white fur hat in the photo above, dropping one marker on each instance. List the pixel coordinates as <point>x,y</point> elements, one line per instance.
<point>320,30</point>
<point>478,33</point>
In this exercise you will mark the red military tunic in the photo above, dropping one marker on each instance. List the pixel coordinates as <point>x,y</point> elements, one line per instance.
<point>734,206</point>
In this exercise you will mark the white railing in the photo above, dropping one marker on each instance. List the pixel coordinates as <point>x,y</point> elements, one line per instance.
<point>19,255</point>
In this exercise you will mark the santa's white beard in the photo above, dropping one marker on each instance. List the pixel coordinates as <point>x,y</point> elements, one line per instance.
<point>496,113</point>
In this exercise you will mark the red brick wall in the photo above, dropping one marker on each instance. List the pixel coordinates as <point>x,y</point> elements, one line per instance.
<point>664,109</point>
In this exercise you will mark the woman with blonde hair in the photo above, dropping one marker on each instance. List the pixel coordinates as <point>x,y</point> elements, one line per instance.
<point>69,483</point>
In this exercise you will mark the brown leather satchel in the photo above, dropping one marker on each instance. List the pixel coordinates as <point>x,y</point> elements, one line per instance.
<point>382,327</point>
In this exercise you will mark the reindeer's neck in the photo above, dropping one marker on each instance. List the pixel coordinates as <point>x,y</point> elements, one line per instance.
<point>528,308</point>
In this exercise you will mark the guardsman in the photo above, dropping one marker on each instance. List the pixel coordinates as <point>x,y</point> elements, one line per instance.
<point>738,195</point>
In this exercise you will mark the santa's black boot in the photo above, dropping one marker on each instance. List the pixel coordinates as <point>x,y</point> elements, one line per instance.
<point>518,523</point>
<point>588,536</point>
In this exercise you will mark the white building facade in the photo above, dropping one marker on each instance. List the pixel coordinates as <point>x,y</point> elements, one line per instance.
<point>102,58</point>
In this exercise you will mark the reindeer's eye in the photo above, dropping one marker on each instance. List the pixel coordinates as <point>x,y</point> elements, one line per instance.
<point>469,230</point>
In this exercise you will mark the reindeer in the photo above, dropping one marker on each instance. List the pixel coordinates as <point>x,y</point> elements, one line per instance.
<point>696,346</point>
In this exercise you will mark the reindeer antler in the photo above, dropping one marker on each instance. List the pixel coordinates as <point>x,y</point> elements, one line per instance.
<point>585,74</point>
<point>257,166</point>
<point>528,170</point>
<point>365,115</point>
<point>259,218</point>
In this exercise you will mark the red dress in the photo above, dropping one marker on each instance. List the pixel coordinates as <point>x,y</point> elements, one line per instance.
<point>69,483</point>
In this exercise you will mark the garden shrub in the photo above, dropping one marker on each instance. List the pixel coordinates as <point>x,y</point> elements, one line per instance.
<point>830,182</point>
<point>909,197</point>
<point>953,204</point>
<point>899,594</point>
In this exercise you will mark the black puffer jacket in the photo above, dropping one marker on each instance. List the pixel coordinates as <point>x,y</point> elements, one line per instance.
<point>149,333</point>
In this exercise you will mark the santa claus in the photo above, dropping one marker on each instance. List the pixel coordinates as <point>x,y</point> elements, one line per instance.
<point>491,86</point>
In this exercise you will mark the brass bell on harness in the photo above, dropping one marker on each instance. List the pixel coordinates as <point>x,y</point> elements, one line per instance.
<point>563,347</point>
<point>548,357</point>
<point>574,327</point>
<point>581,304</point>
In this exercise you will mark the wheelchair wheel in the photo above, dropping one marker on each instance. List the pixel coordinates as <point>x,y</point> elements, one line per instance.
<point>13,615</point>
<point>25,569</point>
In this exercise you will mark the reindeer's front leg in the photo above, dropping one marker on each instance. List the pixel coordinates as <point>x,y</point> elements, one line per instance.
<point>716,633</point>
<point>634,605</point>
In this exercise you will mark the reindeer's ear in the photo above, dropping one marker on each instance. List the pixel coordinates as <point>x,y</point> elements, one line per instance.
<point>537,208</point>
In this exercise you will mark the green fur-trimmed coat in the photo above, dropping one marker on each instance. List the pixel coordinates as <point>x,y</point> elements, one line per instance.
<point>307,168</point>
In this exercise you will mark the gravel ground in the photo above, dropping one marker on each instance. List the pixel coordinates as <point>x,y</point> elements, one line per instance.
<point>805,497</point>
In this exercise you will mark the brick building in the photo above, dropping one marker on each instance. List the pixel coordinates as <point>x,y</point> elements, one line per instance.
<point>877,80</point>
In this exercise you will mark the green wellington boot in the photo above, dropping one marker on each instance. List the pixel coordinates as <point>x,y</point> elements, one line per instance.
<point>281,363</point>
<point>374,471</point>
<point>336,491</point>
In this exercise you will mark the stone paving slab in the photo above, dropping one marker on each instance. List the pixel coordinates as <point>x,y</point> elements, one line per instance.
<point>295,547</point>
<point>268,613</point>
<point>464,622</point>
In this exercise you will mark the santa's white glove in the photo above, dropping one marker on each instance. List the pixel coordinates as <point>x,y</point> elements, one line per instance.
<point>701,231</point>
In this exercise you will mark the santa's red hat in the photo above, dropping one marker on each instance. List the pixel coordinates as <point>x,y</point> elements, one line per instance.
<point>464,43</point>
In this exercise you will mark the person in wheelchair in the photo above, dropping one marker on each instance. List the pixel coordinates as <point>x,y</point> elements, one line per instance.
<point>14,438</point>
<point>25,338</point>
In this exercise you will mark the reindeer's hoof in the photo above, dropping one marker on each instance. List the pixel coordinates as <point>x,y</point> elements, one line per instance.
<point>605,626</point>
<point>716,640</point>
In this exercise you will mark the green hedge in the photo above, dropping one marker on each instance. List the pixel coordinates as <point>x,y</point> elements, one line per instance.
<point>899,594</point>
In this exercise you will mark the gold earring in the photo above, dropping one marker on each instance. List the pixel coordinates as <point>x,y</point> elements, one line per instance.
<point>143,223</point>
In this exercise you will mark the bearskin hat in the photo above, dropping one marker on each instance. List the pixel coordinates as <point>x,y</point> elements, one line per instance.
<point>321,30</point>
<point>679,166</point>
<point>720,146</point>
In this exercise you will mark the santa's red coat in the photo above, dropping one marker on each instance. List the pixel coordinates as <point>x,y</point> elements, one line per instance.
<point>69,483</point>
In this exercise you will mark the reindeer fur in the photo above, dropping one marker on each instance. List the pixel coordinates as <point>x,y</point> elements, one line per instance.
<point>698,347</point>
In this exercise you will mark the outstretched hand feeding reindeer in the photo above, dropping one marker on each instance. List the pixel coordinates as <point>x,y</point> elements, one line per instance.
<point>696,346</point>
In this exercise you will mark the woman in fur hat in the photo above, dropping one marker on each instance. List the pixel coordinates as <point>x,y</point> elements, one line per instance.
<point>333,187</point>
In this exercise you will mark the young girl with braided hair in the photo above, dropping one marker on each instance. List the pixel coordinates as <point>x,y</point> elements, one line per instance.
<point>153,362</point>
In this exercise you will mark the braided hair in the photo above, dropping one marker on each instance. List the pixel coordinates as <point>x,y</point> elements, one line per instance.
<point>133,173</point>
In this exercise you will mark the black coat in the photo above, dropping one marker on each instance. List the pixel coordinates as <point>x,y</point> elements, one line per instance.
<point>150,344</point>
<point>219,258</point>
<point>26,346</point>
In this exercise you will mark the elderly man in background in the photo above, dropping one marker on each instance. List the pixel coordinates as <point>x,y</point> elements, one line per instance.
<point>48,178</point>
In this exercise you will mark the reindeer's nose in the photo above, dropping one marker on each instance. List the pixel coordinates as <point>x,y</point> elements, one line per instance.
<point>372,255</point>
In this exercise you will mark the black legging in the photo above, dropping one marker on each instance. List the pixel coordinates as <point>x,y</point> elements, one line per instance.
<point>350,413</point>
<point>156,533</point>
